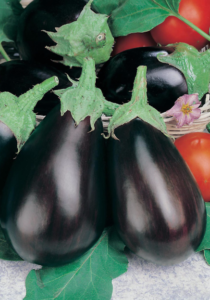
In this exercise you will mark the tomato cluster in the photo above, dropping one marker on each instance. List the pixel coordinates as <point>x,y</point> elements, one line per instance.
<point>173,30</point>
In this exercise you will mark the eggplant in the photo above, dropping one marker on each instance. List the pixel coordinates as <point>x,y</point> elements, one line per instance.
<point>53,207</point>
<point>17,123</point>
<point>11,50</point>
<point>8,150</point>
<point>157,207</point>
<point>165,83</point>
<point>44,15</point>
<point>17,77</point>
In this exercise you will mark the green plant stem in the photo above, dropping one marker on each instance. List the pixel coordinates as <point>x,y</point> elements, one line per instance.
<point>28,100</point>
<point>201,32</point>
<point>4,54</point>
<point>110,108</point>
<point>140,87</point>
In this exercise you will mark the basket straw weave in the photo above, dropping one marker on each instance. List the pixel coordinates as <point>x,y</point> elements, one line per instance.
<point>197,125</point>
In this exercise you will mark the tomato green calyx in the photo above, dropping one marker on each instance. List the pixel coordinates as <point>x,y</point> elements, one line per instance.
<point>89,36</point>
<point>83,98</point>
<point>17,113</point>
<point>138,107</point>
<point>193,64</point>
<point>3,53</point>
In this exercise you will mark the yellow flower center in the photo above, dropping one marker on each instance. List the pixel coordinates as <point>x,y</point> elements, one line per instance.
<point>186,109</point>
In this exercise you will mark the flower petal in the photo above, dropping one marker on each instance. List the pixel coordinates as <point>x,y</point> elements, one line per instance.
<point>176,108</point>
<point>178,114</point>
<point>196,113</point>
<point>181,120</point>
<point>193,99</point>
<point>189,119</point>
<point>194,106</point>
<point>182,100</point>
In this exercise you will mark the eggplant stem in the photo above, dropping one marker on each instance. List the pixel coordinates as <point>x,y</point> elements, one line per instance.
<point>28,100</point>
<point>140,87</point>
<point>109,108</point>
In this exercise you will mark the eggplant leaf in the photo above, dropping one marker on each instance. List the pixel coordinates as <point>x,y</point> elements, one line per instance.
<point>137,16</point>
<point>138,107</point>
<point>193,64</point>
<point>83,99</point>
<point>8,9</point>
<point>205,244</point>
<point>106,7</point>
<point>6,252</point>
<point>207,256</point>
<point>90,277</point>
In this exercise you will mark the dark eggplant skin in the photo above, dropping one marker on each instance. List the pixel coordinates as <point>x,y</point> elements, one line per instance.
<point>40,15</point>
<point>17,77</point>
<point>53,206</point>
<point>8,150</point>
<point>157,207</point>
<point>165,83</point>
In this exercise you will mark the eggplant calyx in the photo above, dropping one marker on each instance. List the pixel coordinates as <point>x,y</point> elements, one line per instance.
<point>193,64</point>
<point>138,107</point>
<point>17,112</point>
<point>83,99</point>
<point>89,36</point>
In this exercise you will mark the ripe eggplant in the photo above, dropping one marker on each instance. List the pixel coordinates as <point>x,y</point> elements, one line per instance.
<point>8,150</point>
<point>158,210</point>
<point>16,124</point>
<point>53,207</point>
<point>17,77</point>
<point>44,15</point>
<point>165,83</point>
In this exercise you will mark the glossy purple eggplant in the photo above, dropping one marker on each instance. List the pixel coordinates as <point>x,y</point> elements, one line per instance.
<point>158,210</point>
<point>8,150</point>
<point>44,15</point>
<point>17,77</point>
<point>165,83</point>
<point>53,207</point>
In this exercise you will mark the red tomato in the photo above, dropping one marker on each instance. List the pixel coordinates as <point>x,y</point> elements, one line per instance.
<point>195,149</point>
<point>133,40</point>
<point>173,30</point>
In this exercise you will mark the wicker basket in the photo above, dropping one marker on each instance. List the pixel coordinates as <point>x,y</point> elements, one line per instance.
<point>197,125</point>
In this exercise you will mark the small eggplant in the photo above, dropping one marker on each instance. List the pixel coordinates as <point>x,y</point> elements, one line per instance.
<point>165,83</point>
<point>53,207</point>
<point>157,207</point>
<point>17,77</point>
<point>42,15</point>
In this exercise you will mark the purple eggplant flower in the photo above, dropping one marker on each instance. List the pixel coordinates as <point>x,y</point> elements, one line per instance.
<point>185,109</point>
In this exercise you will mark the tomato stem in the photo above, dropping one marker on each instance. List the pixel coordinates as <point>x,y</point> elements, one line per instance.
<point>4,54</point>
<point>201,32</point>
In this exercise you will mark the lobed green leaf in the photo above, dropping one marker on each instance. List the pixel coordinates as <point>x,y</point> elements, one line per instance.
<point>136,16</point>
<point>205,244</point>
<point>90,277</point>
